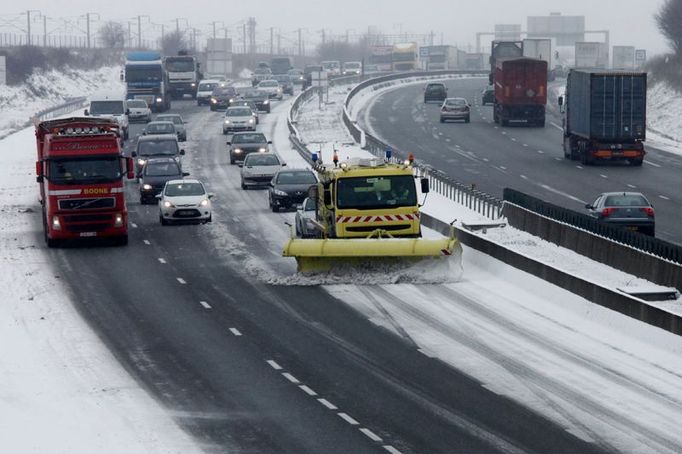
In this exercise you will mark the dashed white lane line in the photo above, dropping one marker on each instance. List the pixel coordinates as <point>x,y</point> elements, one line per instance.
<point>291,378</point>
<point>579,167</point>
<point>664,197</point>
<point>307,390</point>
<point>134,225</point>
<point>162,261</point>
<point>205,304</point>
<point>525,145</point>
<point>146,242</point>
<point>348,419</point>
<point>253,235</point>
<point>513,139</point>
<point>632,186</point>
<point>524,177</point>
<point>391,449</point>
<point>558,159</point>
<point>181,280</point>
<point>652,164</point>
<point>486,160</point>
<point>274,364</point>
<point>541,152</point>
<point>235,218</point>
<point>602,175</point>
<point>556,126</point>
<point>235,331</point>
<point>327,404</point>
<point>503,168</point>
<point>371,435</point>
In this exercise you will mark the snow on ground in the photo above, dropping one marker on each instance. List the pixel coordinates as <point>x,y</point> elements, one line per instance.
<point>61,390</point>
<point>49,88</point>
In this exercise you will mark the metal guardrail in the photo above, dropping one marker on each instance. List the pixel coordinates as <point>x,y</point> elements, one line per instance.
<point>51,112</point>
<point>651,245</point>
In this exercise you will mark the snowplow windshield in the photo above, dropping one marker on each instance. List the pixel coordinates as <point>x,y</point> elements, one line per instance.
<point>376,192</point>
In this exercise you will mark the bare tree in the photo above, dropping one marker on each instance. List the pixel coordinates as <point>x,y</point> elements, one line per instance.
<point>173,42</point>
<point>669,20</point>
<point>113,35</point>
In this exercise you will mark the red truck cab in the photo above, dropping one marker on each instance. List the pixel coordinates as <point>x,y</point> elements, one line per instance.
<point>80,170</point>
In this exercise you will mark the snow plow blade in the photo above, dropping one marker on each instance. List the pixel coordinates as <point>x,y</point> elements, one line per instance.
<point>323,255</point>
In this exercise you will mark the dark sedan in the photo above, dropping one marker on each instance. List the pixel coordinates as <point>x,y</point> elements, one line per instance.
<point>488,95</point>
<point>261,99</point>
<point>154,175</point>
<point>289,188</point>
<point>630,210</point>
<point>243,143</point>
<point>222,97</point>
<point>435,92</point>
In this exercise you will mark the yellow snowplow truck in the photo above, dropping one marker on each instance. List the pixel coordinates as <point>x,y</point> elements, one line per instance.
<point>367,214</point>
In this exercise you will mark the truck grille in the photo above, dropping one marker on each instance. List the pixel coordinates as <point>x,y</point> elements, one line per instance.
<point>88,218</point>
<point>87,204</point>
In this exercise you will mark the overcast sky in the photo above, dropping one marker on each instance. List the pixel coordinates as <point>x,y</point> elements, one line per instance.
<point>630,21</point>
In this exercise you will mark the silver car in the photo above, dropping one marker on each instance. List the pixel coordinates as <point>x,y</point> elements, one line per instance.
<point>259,168</point>
<point>305,219</point>
<point>178,122</point>
<point>139,110</point>
<point>238,119</point>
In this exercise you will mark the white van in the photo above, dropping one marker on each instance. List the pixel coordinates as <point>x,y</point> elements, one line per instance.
<point>112,106</point>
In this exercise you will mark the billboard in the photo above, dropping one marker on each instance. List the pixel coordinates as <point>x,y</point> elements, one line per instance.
<point>567,30</point>
<point>219,56</point>
<point>591,55</point>
<point>507,32</point>
<point>623,57</point>
<point>640,58</point>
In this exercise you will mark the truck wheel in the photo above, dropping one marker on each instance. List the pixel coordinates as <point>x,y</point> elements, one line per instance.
<point>636,162</point>
<point>121,241</point>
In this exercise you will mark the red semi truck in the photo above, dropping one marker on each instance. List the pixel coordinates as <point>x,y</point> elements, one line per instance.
<point>80,170</point>
<point>520,91</point>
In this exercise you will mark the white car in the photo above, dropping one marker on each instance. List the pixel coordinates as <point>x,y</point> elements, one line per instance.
<point>259,168</point>
<point>184,201</point>
<point>238,118</point>
<point>110,105</point>
<point>138,110</point>
<point>204,91</point>
<point>272,88</point>
<point>352,68</point>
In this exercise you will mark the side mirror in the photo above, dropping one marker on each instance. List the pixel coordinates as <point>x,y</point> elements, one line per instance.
<point>182,152</point>
<point>284,164</point>
<point>211,195</point>
<point>241,164</point>
<point>327,196</point>
<point>185,174</point>
<point>127,111</point>
<point>589,207</point>
<point>130,168</point>
<point>228,143</point>
<point>158,196</point>
<point>425,185</point>
<point>561,101</point>
<point>86,112</point>
<point>133,154</point>
<point>269,142</point>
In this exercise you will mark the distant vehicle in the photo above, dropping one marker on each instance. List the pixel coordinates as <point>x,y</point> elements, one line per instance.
<point>138,110</point>
<point>259,168</point>
<point>351,68</point>
<point>178,122</point>
<point>238,119</point>
<point>405,57</point>
<point>263,65</point>
<point>380,59</point>
<point>154,175</point>
<point>372,69</point>
<point>250,104</point>
<point>289,188</point>
<point>112,106</point>
<point>159,127</point>
<point>604,116</point>
<point>218,77</point>
<point>296,76</point>
<point>455,109</point>
<point>285,82</point>
<point>272,88</point>
<point>146,78</point>
<point>160,146</point>
<point>222,97</point>
<point>183,75</point>
<point>520,91</point>
<point>244,143</point>
<point>205,90</point>
<point>184,201</point>
<point>308,74</point>
<point>306,215</point>
<point>333,68</point>
<point>488,95</point>
<point>630,210</point>
<point>280,65</point>
<point>435,92</point>
<point>261,99</point>
<point>259,75</point>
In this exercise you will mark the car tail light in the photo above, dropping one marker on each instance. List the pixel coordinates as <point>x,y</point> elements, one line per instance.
<point>649,211</point>
<point>606,212</point>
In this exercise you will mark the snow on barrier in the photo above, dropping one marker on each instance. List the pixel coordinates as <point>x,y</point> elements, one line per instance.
<point>54,111</point>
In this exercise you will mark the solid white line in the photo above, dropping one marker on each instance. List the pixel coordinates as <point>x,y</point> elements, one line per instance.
<point>146,242</point>
<point>391,449</point>
<point>327,404</point>
<point>134,225</point>
<point>162,260</point>
<point>205,304</point>
<point>348,419</point>
<point>371,435</point>
<point>235,331</point>
<point>274,364</point>
<point>564,194</point>
<point>291,378</point>
<point>664,197</point>
<point>556,126</point>
<point>652,164</point>
<point>181,280</point>
<point>308,391</point>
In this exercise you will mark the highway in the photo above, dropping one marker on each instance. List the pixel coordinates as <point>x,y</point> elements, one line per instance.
<point>248,366</point>
<point>527,159</point>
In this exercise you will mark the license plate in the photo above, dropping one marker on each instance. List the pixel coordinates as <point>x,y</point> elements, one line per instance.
<point>185,213</point>
<point>88,234</point>
<point>632,228</point>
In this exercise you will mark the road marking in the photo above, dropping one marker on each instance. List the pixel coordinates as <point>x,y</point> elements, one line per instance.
<point>308,391</point>
<point>291,378</point>
<point>348,419</point>
<point>524,177</point>
<point>664,197</point>
<point>391,449</point>
<point>558,159</point>
<point>181,280</point>
<point>253,235</point>
<point>541,152</point>
<point>146,242</point>
<point>579,167</point>
<point>163,261</point>
<point>497,127</point>
<point>513,139</point>
<point>556,126</point>
<point>632,186</point>
<point>235,218</point>
<point>371,435</point>
<point>525,144</point>
<point>504,133</point>
<point>327,404</point>
<point>486,160</point>
<point>564,194</point>
<point>235,331</point>
<point>134,225</point>
<point>274,364</point>
<point>205,304</point>
<point>503,168</point>
<point>652,164</point>
<point>602,175</point>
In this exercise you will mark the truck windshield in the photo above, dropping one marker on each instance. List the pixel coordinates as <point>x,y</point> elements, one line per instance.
<point>106,108</point>
<point>84,170</point>
<point>143,74</point>
<point>368,193</point>
<point>184,66</point>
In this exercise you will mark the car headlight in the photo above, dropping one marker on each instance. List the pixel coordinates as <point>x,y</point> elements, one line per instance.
<point>193,84</point>
<point>141,161</point>
<point>282,193</point>
<point>262,150</point>
<point>266,101</point>
<point>167,204</point>
<point>159,99</point>
<point>147,187</point>
<point>251,120</point>
<point>213,100</point>
<point>227,122</point>
<point>204,203</point>
<point>237,151</point>
<point>231,100</point>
